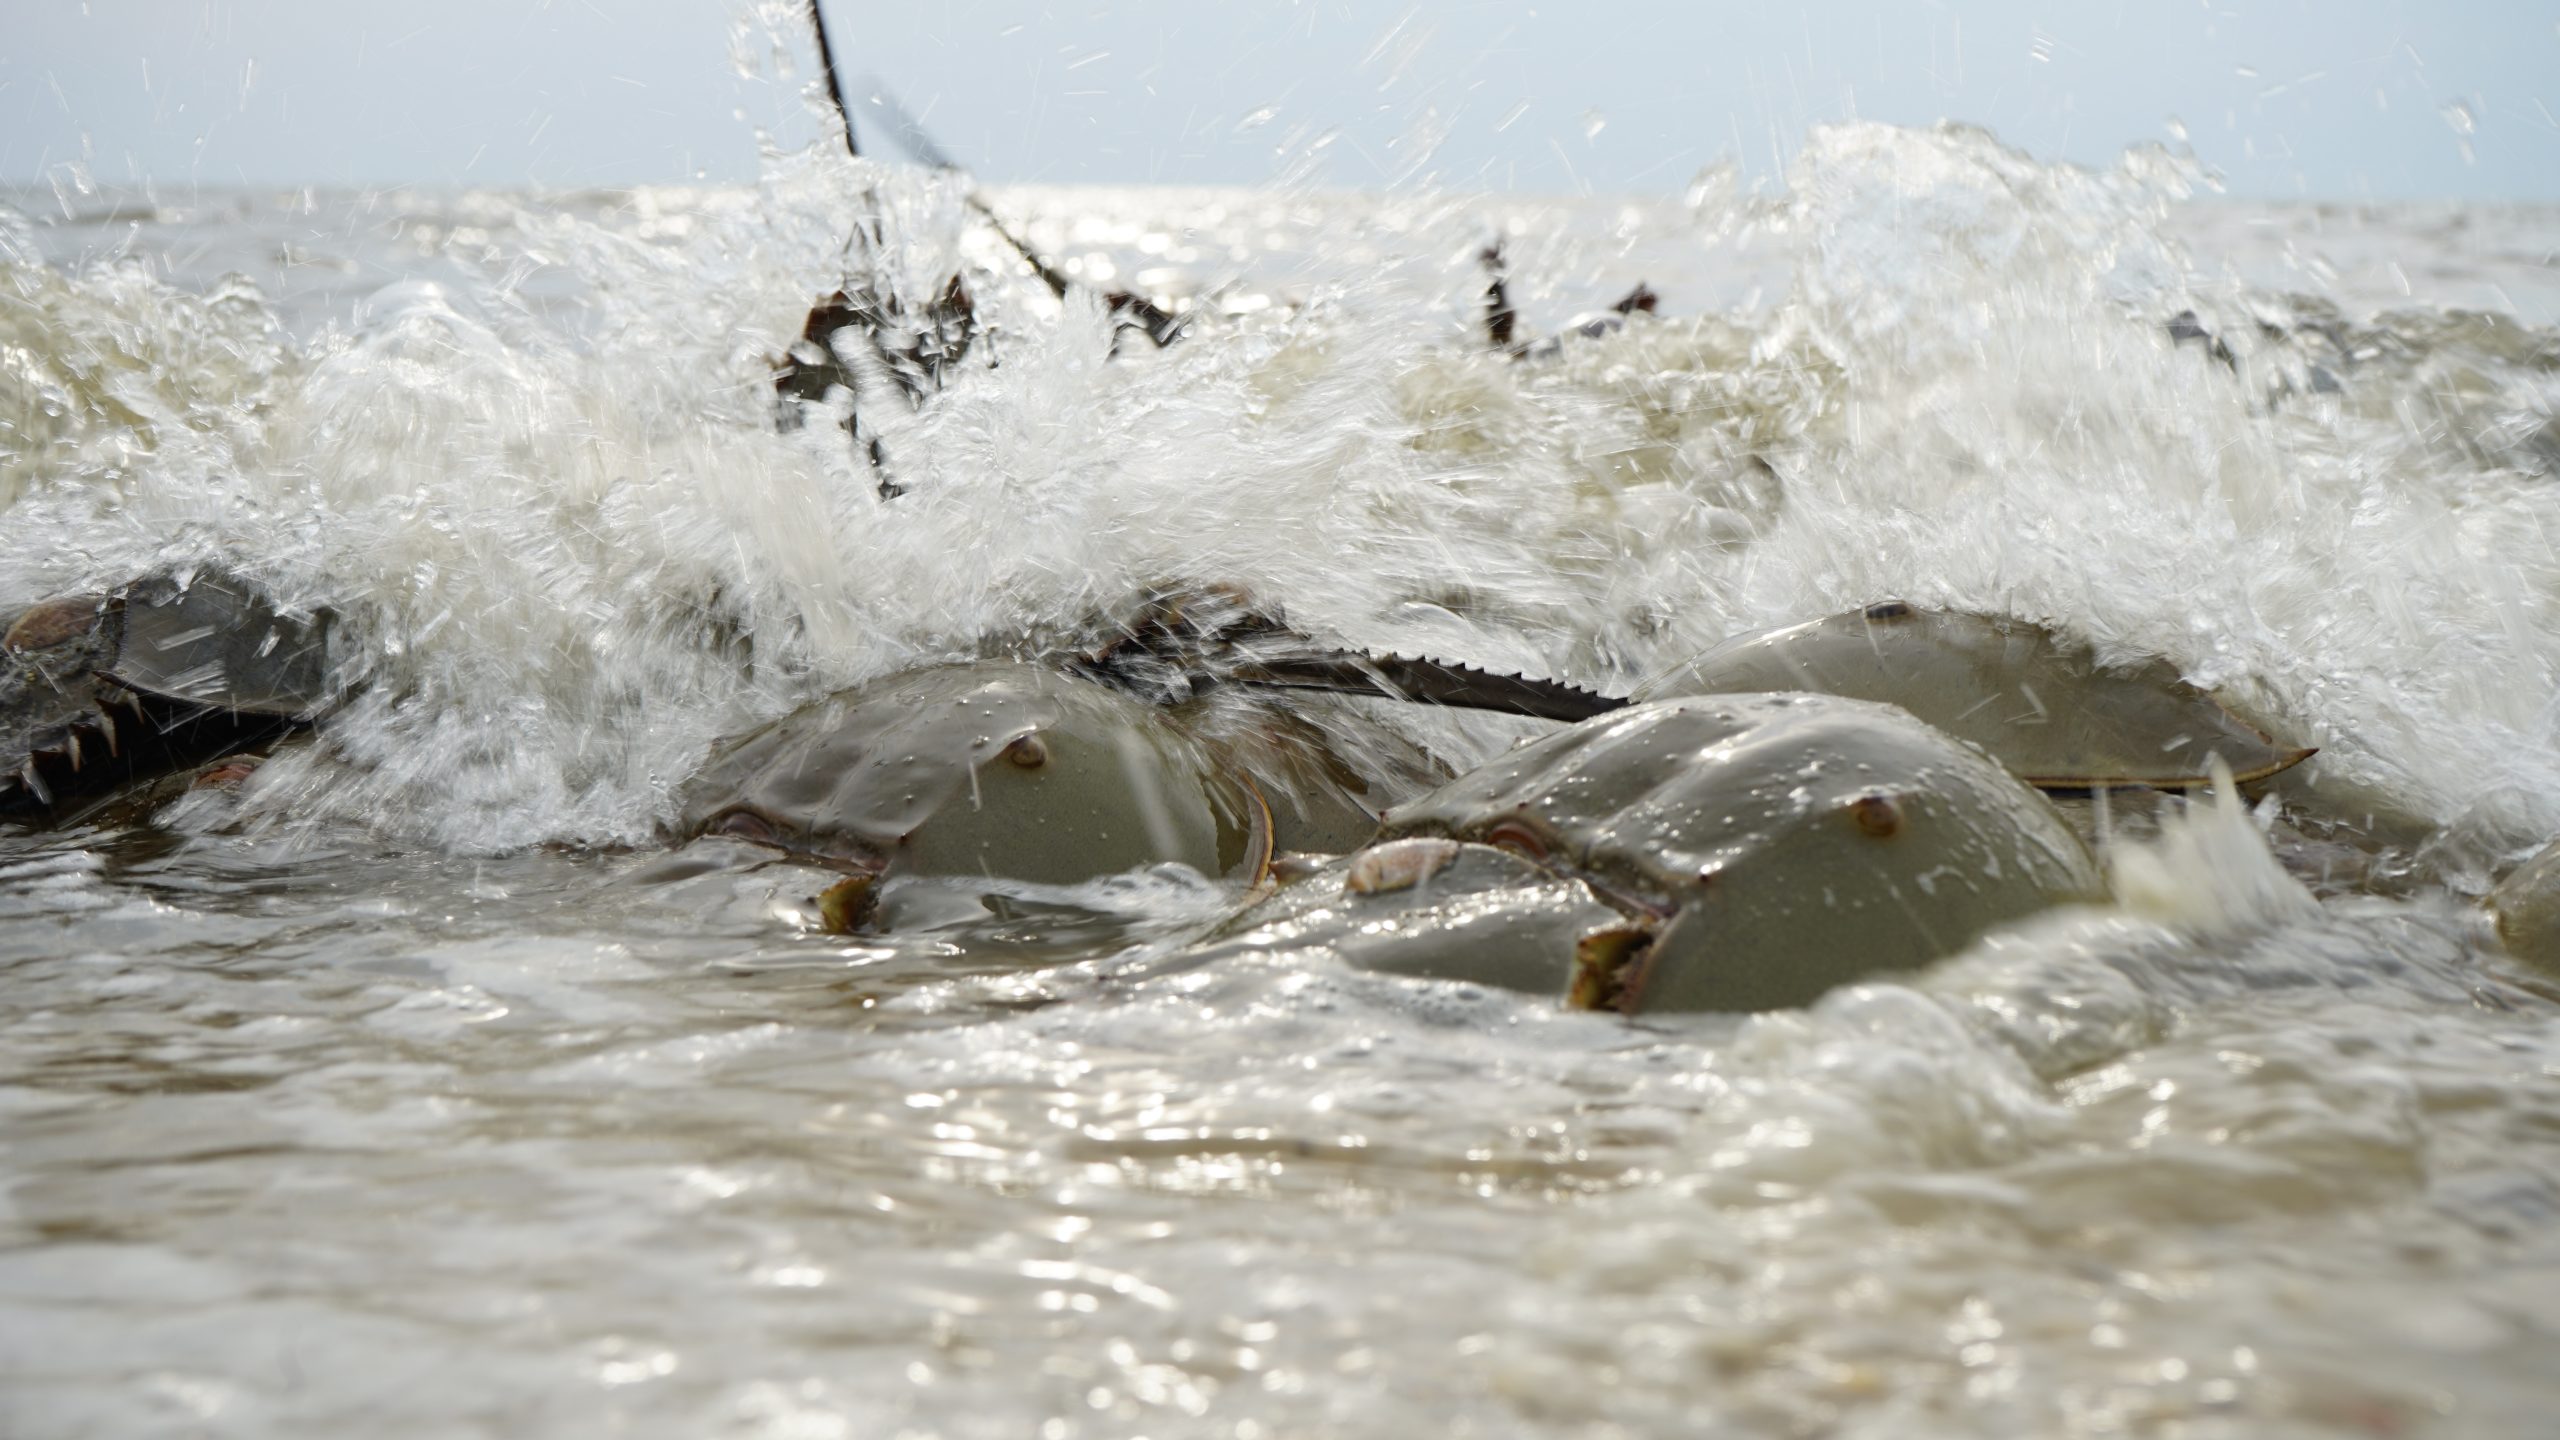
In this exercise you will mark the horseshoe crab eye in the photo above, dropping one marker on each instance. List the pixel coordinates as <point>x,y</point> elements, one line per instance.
<point>1876,815</point>
<point>746,825</point>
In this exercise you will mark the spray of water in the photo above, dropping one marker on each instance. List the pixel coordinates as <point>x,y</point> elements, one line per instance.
<point>572,548</point>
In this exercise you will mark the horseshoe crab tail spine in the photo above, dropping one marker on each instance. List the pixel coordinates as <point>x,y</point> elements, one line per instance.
<point>1434,682</point>
<point>915,142</point>
<point>835,91</point>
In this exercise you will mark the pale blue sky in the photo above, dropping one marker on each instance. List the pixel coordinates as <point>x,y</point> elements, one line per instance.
<point>2338,99</point>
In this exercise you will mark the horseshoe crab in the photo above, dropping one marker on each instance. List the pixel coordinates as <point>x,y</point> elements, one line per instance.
<point>1762,849</point>
<point>2042,706</point>
<point>1090,763</point>
<point>1758,848</point>
<point>1000,768</point>
<point>100,691</point>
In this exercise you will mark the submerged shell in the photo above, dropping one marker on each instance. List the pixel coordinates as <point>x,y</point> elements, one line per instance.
<point>2526,908</point>
<point>1428,908</point>
<point>1783,844</point>
<point>2041,706</point>
<point>1008,770</point>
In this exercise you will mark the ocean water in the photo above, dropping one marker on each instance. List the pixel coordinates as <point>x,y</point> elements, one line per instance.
<point>413,1089</point>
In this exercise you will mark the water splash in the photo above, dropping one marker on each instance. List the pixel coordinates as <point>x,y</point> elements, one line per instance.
<point>549,494</point>
<point>2209,870</point>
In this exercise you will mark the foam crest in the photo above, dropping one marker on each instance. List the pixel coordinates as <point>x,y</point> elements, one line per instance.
<point>547,492</point>
<point>2208,870</point>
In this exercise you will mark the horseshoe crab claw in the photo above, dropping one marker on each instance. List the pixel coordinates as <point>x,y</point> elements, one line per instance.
<point>1000,769</point>
<point>2038,704</point>
<point>1763,848</point>
<point>101,692</point>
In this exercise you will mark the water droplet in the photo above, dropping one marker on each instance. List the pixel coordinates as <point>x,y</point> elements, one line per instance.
<point>1511,117</point>
<point>2177,129</point>
<point>1255,120</point>
<point>1593,122</point>
<point>1712,185</point>
<point>2459,116</point>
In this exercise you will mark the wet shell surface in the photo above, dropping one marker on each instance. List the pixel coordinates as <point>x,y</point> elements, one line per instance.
<point>213,641</point>
<point>1774,846</point>
<point>2040,705</point>
<point>102,693</point>
<point>2526,909</point>
<point>1429,908</point>
<point>1006,770</point>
